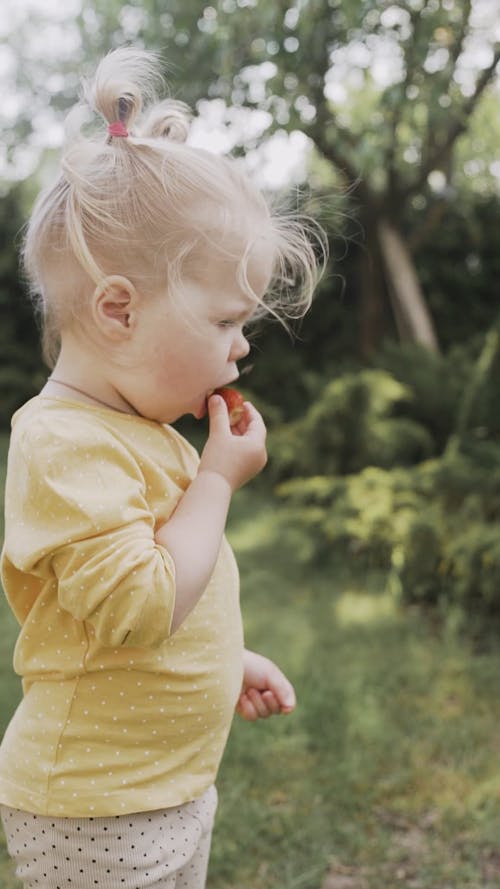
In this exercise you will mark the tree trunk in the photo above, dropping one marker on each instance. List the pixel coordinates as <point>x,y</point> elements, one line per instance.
<point>413,319</point>
<point>373,310</point>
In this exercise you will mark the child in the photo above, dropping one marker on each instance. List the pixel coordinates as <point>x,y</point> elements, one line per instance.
<point>149,257</point>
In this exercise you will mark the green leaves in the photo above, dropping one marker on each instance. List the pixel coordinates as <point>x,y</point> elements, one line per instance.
<point>21,369</point>
<point>356,421</point>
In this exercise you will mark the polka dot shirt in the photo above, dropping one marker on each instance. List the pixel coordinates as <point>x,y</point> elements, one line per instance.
<point>118,715</point>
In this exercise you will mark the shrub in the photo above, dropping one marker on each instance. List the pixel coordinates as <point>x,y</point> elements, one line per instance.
<point>431,527</point>
<point>356,421</point>
<point>436,383</point>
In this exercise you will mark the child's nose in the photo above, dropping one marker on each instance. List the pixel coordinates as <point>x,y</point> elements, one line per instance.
<point>240,349</point>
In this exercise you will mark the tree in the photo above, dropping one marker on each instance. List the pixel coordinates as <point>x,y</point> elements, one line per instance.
<point>384,92</point>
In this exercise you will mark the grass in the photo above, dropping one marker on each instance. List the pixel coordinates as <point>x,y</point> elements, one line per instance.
<point>386,776</point>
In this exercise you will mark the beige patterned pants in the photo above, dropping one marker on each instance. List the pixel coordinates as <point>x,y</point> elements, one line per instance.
<point>164,849</point>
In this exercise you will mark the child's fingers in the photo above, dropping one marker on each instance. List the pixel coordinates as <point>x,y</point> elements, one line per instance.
<point>246,709</point>
<point>217,413</point>
<point>283,690</point>
<point>254,704</point>
<point>253,420</point>
<point>271,702</point>
<point>241,426</point>
<point>251,424</point>
<point>265,702</point>
<point>256,698</point>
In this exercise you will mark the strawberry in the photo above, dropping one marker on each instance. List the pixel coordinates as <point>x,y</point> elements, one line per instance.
<point>234,403</point>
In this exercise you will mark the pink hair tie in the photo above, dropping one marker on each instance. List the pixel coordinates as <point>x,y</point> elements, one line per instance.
<point>117,129</point>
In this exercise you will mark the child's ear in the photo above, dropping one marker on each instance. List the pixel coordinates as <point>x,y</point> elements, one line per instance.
<point>115,303</point>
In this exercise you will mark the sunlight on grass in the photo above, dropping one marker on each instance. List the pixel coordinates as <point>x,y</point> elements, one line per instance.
<point>254,531</point>
<point>353,607</point>
<point>386,773</point>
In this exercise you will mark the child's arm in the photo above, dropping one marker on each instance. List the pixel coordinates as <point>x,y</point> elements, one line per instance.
<point>265,690</point>
<point>193,534</point>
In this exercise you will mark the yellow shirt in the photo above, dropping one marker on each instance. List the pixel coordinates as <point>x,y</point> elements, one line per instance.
<point>117,715</point>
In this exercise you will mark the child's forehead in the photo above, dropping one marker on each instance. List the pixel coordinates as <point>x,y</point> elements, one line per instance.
<point>259,264</point>
<point>250,266</point>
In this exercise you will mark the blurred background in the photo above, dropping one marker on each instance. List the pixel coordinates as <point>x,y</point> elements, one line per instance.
<point>374,531</point>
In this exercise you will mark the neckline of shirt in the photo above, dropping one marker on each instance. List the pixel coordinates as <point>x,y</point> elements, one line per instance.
<point>95,408</point>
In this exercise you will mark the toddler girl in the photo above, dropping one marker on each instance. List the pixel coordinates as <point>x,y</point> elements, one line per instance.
<point>148,258</point>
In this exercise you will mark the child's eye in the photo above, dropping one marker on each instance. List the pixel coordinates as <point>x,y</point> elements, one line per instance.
<point>226,323</point>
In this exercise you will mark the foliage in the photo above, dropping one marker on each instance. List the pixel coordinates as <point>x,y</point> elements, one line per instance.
<point>312,66</point>
<point>20,363</point>
<point>437,384</point>
<point>356,420</point>
<point>402,409</point>
<point>383,95</point>
<point>474,173</point>
<point>459,270</point>
<point>401,471</point>
<point>459,267</point>
<point>433,527</point>
<point>265,68</point>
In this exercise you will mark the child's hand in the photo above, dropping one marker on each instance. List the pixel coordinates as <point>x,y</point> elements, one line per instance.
<point>265,690</point>
<point>235,452</point>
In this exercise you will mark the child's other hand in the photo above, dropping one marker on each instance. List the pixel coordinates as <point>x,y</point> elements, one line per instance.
<point>265,690</point>
<point>235,452</point>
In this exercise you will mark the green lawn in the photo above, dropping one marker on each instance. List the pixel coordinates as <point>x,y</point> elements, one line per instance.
<point>388,773</point>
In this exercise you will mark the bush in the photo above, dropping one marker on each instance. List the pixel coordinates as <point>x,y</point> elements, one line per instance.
<point>21,368</point>
<point>438,382</point>
<point>399,413</point>
<point>431,527</point>
<point>358,420</point>
<point>21,377</point>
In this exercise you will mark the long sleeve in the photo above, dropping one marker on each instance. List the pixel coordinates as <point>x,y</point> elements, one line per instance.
<point>81,516</point>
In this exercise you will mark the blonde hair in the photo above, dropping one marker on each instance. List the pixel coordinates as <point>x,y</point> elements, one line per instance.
<point>140,205</point>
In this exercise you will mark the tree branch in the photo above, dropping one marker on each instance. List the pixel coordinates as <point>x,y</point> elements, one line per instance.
<point>459,42</point>
<point>409,56</point>
<point>335,154</point>
<point>445,77</point>
<point>325,121</point>
<point>432,218</point>
<point>458,125</point>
